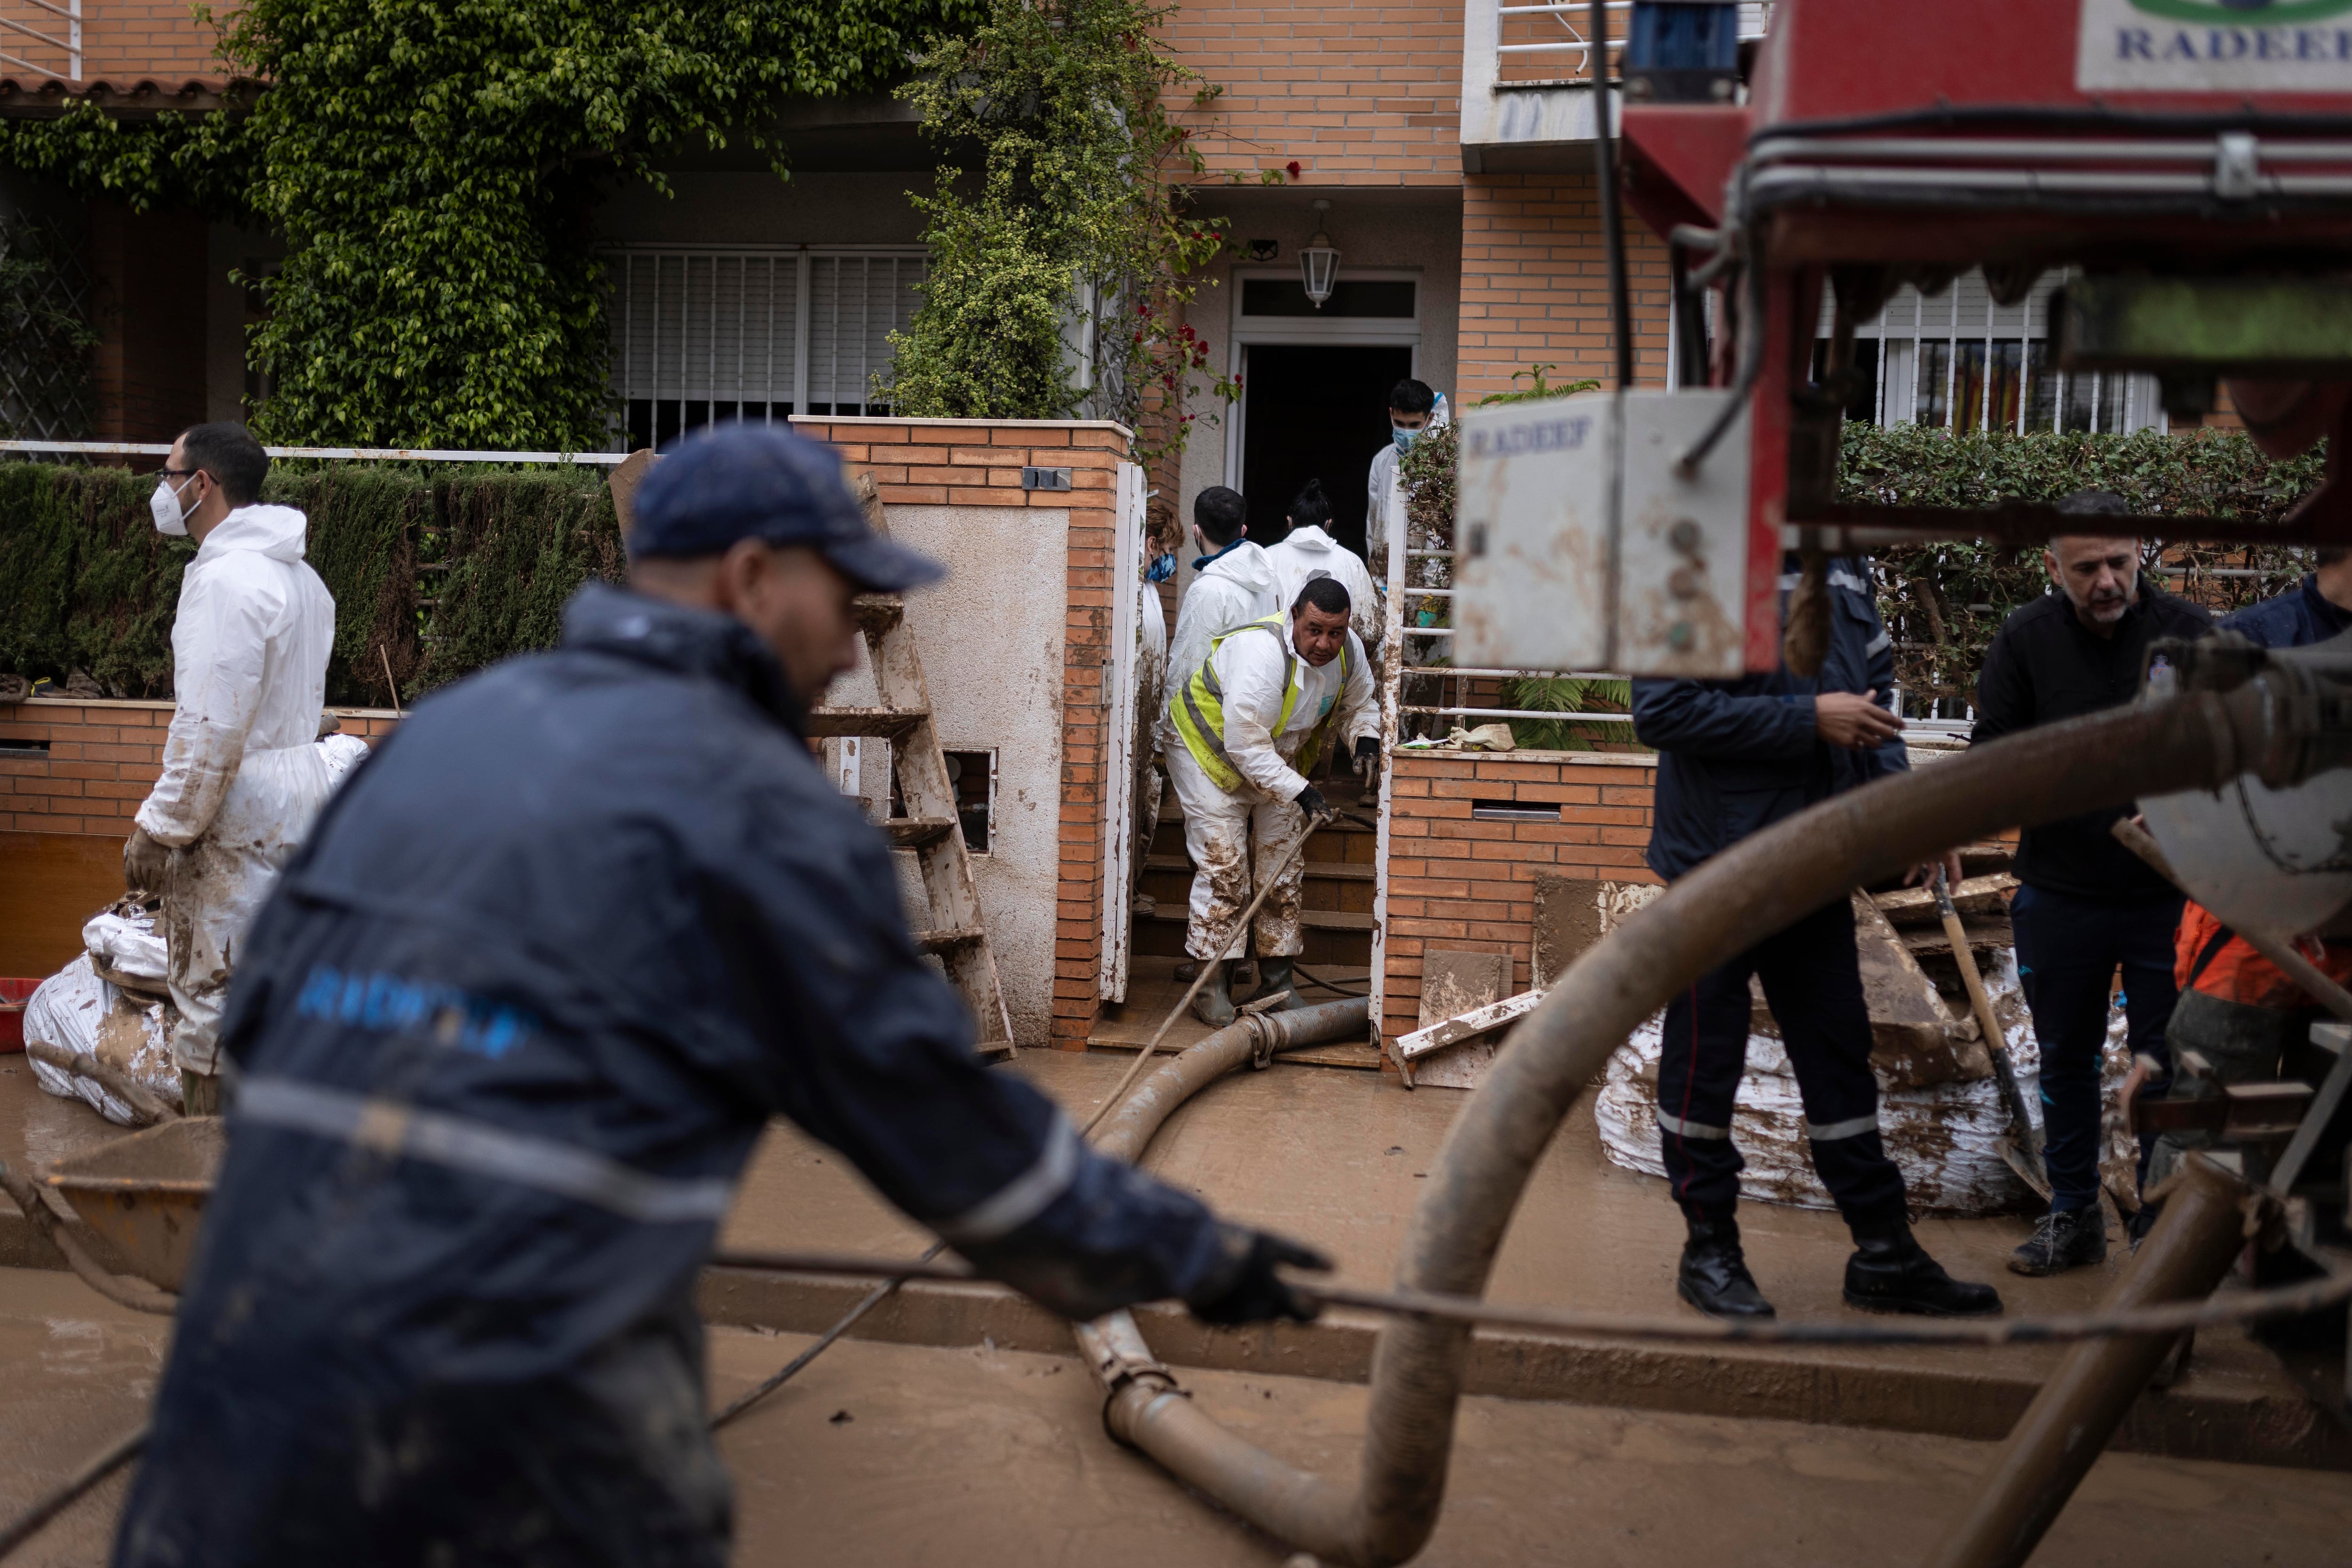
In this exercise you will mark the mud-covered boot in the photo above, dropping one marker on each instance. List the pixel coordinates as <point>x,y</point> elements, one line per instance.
<point>1214,1005</point>
<point>1274,977</point>
<point>2067,1238</point>
<point>1891,1272</point>
<point>1714,1275</point>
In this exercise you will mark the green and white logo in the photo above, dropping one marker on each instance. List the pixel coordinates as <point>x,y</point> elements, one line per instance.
<point>2215,45</point>
<point>2244,12</point>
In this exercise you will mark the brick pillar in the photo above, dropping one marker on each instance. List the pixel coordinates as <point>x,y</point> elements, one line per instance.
<point>148,272</point>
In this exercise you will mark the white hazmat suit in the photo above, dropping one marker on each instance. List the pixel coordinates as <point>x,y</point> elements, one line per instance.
<point>1218,823</point>
<point>243,774</point>
<point>1236,588</point>
<point>1308,551</point>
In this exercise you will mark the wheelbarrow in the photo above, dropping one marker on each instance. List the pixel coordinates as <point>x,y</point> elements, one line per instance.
<point>145,1194</point>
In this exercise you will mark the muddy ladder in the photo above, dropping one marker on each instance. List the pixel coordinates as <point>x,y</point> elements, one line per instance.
<point>953,931</point>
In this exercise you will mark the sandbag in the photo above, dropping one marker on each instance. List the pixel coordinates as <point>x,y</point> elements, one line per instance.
<point>78,1012</point>
<point>1943,1137</point>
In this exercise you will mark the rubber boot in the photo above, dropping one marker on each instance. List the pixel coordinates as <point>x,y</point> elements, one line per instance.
<point>1274,977</point>
<point>1891,1272</point>
<point>1714,1275</point>
<point>1215,1004</point>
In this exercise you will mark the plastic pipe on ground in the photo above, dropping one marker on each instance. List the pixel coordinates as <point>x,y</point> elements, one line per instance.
<point>2196,740</point>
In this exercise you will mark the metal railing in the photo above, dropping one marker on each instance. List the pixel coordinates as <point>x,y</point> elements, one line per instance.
<point>1549,43</point>
<point>66,44</point>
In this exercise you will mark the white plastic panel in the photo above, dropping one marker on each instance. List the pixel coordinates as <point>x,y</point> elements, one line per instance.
<point>1683,550</point>
<point>1532,534</point>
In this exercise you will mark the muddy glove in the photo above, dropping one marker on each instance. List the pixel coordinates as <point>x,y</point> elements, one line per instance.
<point>144,862</point>
<point>1245,1290</point>
<point>1310,801</point>
<point>1367,758</point>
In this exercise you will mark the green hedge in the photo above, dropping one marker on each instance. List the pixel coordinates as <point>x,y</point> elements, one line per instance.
<point>439,570</point>
<point>1943,602</point>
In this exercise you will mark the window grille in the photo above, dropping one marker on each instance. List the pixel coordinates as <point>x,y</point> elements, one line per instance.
<point>1961,362</point>
<point>704,335</point>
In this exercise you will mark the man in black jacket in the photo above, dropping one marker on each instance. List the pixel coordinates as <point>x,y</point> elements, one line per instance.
<point>2086,904</point>
<point>1734,757</point>
<point>506,1035</point>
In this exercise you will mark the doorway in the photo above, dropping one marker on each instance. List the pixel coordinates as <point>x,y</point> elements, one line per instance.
<point>1313,411</point>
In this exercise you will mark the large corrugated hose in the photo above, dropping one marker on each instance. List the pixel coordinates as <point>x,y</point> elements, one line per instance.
<point>1748,893</point>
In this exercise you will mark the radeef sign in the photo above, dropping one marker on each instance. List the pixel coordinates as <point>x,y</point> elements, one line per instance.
<point>2215,45</point>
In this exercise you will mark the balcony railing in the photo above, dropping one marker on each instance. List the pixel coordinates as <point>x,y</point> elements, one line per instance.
<point>1550,45</point>
<point>42,37</point>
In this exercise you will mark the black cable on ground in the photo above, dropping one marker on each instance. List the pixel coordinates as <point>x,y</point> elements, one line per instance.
<point>66,1493</point>
<point>2242,1306</point>
<point>790,1369</point>
<point>1304,973</point>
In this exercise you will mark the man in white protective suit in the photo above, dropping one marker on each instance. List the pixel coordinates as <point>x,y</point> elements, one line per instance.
<point>242,778</point>
<point>1272,699</point>
<point>1232,585</point>
<point>1310,550</point>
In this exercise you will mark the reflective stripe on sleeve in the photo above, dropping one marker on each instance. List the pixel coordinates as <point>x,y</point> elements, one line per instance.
<point>1023,1198</point>
<point>1852,1127</point>
<point>1878,644</point>
<point>478,1148</point>
<point>1683,1129</point>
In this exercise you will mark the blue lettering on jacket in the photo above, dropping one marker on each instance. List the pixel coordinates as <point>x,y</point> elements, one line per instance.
<point>392,1004</point>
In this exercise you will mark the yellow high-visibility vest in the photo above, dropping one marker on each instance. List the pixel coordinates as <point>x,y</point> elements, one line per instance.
<point>1201,706</point>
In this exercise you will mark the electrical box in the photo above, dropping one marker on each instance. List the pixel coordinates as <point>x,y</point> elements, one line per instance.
<point>1582,546</point>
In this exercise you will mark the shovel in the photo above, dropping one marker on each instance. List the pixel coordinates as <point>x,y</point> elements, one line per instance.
<point>2017,1149</point>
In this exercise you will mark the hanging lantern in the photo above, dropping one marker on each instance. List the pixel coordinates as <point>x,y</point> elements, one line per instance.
<point>1319,264</point>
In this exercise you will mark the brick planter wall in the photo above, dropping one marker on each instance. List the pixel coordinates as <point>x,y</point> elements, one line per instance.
<point>102,759</point>
<point>1462,884</point>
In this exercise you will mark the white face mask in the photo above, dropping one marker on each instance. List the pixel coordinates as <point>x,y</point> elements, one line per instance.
<point>164,504</point>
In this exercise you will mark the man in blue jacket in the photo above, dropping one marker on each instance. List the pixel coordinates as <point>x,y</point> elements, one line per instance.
<point>506,1035</point>
<point>1734,757</point>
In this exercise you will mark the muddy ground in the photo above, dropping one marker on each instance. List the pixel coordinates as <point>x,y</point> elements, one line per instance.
<point>909,1456</point>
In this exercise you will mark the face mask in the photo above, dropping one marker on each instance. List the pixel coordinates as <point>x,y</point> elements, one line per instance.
<point>1402,437</point>
<point>1162,569</point>
<point>164,504</point>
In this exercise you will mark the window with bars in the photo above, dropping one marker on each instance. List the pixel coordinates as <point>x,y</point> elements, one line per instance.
<point>1960,361</point>
<point>703,335</point>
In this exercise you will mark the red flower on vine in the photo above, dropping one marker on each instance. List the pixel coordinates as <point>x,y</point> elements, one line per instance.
<point>1292,168</point>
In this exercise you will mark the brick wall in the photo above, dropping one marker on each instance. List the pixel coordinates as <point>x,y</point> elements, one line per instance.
<point>1535,283</point>
<point>1462,885</point>
<point>127,41</point>
<point>1364,95</point>
<point>978,462</point>
<point>102,759</point>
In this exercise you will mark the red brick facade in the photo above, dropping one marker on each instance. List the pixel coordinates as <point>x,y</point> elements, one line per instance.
<point>1535,284</point>
<point>978,462</point>
<point>1365,95</point>
<point>1460,884</point>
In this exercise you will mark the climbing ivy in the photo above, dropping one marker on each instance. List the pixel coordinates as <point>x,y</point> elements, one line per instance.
<point>433,163</point>
<point>1063,254</point>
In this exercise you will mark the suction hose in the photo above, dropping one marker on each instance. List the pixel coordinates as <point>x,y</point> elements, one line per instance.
<point>2196,740</point>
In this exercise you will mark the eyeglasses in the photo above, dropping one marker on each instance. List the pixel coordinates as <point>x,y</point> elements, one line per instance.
<point>177,473</point>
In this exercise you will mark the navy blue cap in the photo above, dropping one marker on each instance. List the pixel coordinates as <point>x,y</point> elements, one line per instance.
<point>733,482</point>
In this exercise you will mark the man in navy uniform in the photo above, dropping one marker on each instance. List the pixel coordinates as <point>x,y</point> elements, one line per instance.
<point>505,1034</point>
<point>1735,756</point>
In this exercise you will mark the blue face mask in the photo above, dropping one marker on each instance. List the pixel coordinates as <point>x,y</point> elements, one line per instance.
<point>1402,437</point>
<point>1162,569</point>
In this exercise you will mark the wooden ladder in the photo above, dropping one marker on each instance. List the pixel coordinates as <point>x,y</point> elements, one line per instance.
<point>955,932</point>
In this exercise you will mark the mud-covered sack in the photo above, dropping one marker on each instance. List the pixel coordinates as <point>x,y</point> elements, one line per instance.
<point>79,1013</point>
<point>127,943</point>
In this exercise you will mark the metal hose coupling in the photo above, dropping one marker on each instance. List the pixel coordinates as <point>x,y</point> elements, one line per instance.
<point>2299,721</point>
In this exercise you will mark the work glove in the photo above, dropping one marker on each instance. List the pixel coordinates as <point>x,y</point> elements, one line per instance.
<point>144,862</point>
<point>1245,1290</point>
<point>1367,758</point>
<point>1310,801</point>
